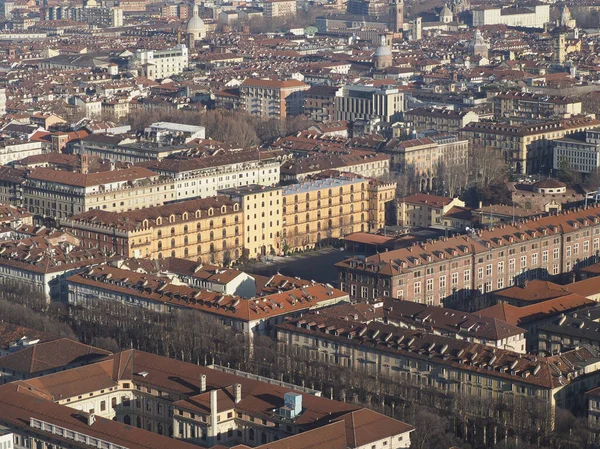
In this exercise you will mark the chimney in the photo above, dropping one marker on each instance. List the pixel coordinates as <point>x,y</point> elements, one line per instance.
<point>91,419</point>
<point>213,412</point>
<point>237,392</point>
<point>202,383</point>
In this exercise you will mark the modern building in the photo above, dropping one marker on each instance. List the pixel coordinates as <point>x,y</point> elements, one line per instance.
<point>580,155</point>
<point>160,64</point>
<point>354,102</point>
<point>279,8</point>
<point>513,16</point>
<point>272,98</point>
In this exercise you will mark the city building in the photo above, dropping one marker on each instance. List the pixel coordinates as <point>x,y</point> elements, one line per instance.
<point>139,400</point>
<point>206,230</point>
<point>13,150</point>
<point>195,26</point>
<point>59,194</point>
<point>578,154</point>
<point>535,16</point>
<point>173,133</point>
<point>252,316</point>
<point>425,155</point>
<point>354,102</point>
<point>47,357</point>
<point>41,263</point>
<point>272,98</point>
<point>485,260</point>
<point>319,103</point>
<point>528,147</point>
<point>442,120</point>
<point>160,64</point>
<point>425,211</point>
<point>534,106</point>
<point>445,364</point>
<point>279,8</point>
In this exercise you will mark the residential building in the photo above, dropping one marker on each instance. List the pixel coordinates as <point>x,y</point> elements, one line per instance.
<point>279,8</point>
<point>319,210</point>
<point>262,218</point>
<point>534,106</point>
<point>160,64</point>
<point>205,174</point>
<point>41,263</point>
<point>138,400</point>
<point>273,98</point>
<point>442,120</point>
<point>252,316</point>
<point>527,147</point>
<point>425,154</point>
<point>319,103</point>
<point>59,194</point>
<point>568,331</point>
<point>433,271</point>
<point>425,211</point>
<point>14,150</point>
<point>354,102</point>
<point>581,155</point>
<point>445,364</point>
<point>170,133</point>
<point>362,163</point>
<point>208,230</point>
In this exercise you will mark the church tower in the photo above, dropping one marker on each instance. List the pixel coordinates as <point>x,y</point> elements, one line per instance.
<point>560,46</point>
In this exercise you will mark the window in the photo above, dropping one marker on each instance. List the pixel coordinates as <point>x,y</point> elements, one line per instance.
<point>467,275</point>
<point>102,406</point>
<point>417,288</point>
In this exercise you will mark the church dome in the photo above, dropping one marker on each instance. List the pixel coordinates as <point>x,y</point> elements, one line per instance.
<point>383,49</point>
<point>196,25</point>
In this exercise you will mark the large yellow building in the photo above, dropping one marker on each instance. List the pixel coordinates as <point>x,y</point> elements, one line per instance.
<point>207,230</point>
<point>319,210</point>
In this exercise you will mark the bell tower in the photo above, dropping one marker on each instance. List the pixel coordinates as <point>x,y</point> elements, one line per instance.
<point>396,15</point>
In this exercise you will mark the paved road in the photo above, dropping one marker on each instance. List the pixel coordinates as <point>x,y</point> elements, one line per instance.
<point>313,265</point>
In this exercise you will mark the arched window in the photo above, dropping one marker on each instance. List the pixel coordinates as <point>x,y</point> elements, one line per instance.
<point>212,248</point>
<point>263,438</point>
<point>138,422</point>
<point>172,231</point>
<point>127,420</point>
<point>113,402</point>
<point>224,244</point>
<point>198,238</point>
<point>212,235</point>
<point>237,231</point>
<point>185,252</point>
<point>198,227</point>
<point>172,253</point>
<point>296,198</point>
<point>224,221</point>
<point>199,250</point>
<point>185,229</point>
<point>330,192</point>
<point>237,243</point>
<point>172,243</point>
<point>224,233</point>
<point>160,255</point>
<point>159,234</point>
<point>251,434</point>
<point>211,224</point>
<point>160,246</point>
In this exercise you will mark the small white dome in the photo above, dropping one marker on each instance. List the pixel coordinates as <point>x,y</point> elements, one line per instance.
<point>383,49</point>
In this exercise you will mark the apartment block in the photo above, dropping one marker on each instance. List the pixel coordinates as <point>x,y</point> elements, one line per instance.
<point>205,175</point>
<point>279,8</point>
<point>138,400</point>
<point>251,316</point>
<point>534,16</point>
<point>426,153</point>
<point>528,147</point>
<point>14,150</point>
<point>482,261</point>
<point>324,209</point>
<point>272,98</point>
<point>208,230</point>
<point>354,102</point>
<point>440,119</point>
<point>60,194</point>
<point>425,211</point>
<point>534,106</point>
<point>445,364</point>
<point>578,154</point>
